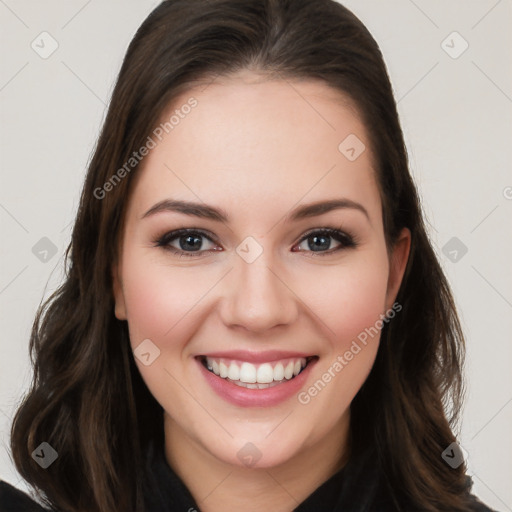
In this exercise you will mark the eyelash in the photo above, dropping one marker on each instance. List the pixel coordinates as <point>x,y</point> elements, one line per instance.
<point>346,240</point>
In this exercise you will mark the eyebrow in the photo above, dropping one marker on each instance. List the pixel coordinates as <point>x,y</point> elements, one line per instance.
<point>218,214</point>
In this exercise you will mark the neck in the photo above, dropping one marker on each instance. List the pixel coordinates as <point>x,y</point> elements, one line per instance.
<point>218,486</point>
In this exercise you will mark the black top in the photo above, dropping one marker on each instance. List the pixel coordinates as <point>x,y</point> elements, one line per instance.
<point>355,488</point>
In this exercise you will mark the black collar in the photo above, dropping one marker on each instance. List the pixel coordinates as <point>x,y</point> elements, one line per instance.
<point>355,487</point>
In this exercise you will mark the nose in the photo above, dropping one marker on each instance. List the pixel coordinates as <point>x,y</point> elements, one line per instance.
<point>257,296</point>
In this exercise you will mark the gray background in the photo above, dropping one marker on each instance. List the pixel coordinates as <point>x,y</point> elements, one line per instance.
<point>456,114</point>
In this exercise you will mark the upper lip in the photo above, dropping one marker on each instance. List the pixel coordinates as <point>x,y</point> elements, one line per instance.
<point>266,356</point>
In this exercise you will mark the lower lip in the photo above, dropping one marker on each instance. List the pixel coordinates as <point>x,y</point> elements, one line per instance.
<point>245,397</point>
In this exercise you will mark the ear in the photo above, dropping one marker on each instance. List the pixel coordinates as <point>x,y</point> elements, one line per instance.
<point>117,288</point>
<point>397,264</point>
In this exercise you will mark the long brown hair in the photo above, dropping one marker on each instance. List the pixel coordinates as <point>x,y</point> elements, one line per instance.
<point>87,398</point>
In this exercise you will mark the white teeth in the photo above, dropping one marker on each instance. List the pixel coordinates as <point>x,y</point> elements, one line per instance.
<point>288,371</point>
<point>256,376</point>
<point>254,386</point>
<point>223,370</point>
<point>265,374</point>
<point>279,371</point>
<point>247,373</point>
<point>234,372</point>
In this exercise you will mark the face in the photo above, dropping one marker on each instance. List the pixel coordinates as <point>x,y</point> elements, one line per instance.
<point>261,322</point>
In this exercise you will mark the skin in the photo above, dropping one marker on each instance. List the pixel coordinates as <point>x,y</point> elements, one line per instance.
<point>257,149</point>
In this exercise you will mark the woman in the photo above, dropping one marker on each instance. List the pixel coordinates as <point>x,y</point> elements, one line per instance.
<point>253,316</point>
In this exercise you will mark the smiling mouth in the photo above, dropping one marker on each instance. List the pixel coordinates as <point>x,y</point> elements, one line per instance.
<point>256,376</point>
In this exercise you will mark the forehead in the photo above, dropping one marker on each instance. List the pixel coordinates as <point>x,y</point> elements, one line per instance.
<point>255,142</point>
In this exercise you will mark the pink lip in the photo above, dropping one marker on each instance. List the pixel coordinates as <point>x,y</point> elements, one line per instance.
<point>257,357</point>
<point>245,397</point>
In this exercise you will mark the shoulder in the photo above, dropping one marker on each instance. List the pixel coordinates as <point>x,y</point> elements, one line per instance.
<point>14,500</point>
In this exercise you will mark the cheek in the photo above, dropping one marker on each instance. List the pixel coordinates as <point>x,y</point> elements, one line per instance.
<point>158,297</point>
<point>352,310</point>
<point>161,303</point>
<point>347,299</point>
